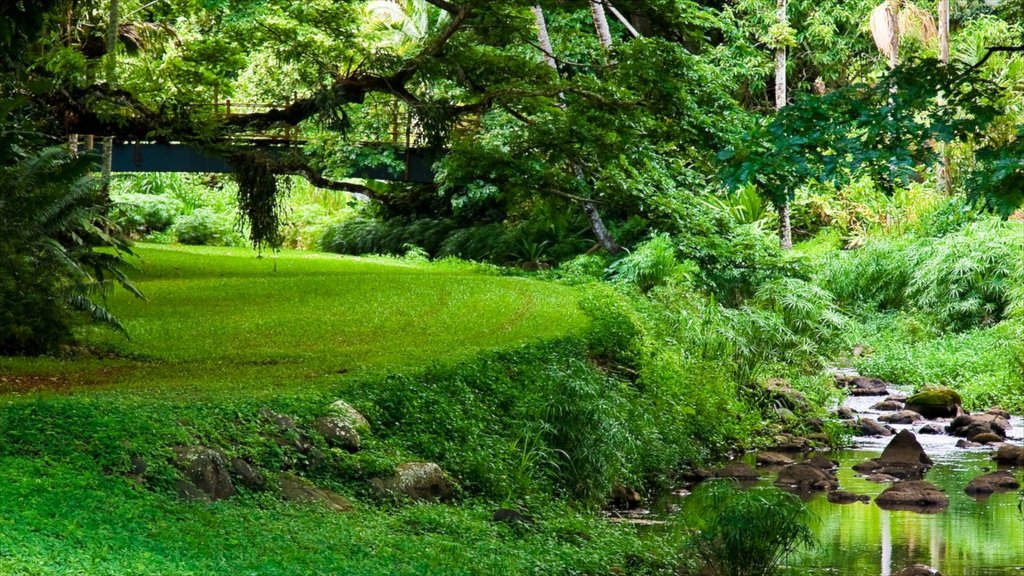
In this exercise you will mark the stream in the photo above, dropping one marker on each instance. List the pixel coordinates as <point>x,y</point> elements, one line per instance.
<point>972,537</point>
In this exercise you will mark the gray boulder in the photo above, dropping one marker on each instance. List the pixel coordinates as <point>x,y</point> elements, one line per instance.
<point>969,425</point>
<point>338,433</point>
<point>349,414</point>
<point>247,475</point>
<point>905,449</point>
<point>205,473</point>
<point>903,458</point>
<point>416,480</point>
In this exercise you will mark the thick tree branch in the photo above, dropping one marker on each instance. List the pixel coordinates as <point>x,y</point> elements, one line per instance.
<point>992,50</point>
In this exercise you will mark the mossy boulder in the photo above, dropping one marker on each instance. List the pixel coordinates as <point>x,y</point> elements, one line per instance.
<point>935,403</point>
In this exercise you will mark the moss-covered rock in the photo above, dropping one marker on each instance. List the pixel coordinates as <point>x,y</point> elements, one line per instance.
<point>935,403</point>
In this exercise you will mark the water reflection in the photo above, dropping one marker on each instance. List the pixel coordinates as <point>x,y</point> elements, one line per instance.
<point>983,537</point>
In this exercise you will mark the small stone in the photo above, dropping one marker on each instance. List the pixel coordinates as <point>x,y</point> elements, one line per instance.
<point>1009,455</point>
<point>737,471</point>
<point>999,411</point>
<point>967,444</point>
<point>806,477</point>
<point>987,438</point>
<point>880,478</point>
<point>930,429</point>
<point>1002,481</point>
<point>823,462</point>
<point>901,417</point>
<point>844,497</point>
<point>888,406</point>
<point>845,413</point>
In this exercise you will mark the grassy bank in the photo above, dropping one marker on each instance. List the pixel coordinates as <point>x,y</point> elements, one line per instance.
<point>537,425</point>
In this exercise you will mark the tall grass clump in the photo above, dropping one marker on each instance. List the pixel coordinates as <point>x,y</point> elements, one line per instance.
<point>748,532</point>
<point>652,263</point>
<point>965,279</point>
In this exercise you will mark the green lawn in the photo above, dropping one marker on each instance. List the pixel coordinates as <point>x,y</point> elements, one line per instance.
<point>220,318</point>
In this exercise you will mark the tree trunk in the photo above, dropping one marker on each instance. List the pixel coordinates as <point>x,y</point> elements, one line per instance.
<point>596,223</point>
<point>893,12</point>
<point>108,142</point>
<point>945,179</point>
<point>781,97</point>
<point>944,31</point>
<point>603,236</point>
<point>543,38</point>
<point>785,227</point>
<point>601,23</point>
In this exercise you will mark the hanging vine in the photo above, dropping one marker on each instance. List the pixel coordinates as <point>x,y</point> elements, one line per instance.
<point>260,203</point>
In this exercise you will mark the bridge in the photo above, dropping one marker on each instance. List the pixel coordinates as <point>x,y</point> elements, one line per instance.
<point>411,160</point>
<point>412,164</point>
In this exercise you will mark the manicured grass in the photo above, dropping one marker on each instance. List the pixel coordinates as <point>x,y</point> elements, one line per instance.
<point>220,317</point>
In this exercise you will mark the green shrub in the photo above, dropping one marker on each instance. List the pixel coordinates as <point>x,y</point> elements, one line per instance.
<point>748,532</point>
<point>487,243</point>
<point>582,269</point>
<point>142,213</point>
<point>205,227</point>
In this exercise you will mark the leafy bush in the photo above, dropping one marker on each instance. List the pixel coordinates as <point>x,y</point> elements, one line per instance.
<point>205,227</point>
<point>748,532</point>
<point>142,213</point>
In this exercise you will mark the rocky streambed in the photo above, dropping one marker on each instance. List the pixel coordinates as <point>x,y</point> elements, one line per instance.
<point>920,486</point>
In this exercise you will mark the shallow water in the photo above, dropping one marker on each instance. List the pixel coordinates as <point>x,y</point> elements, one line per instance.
<point>983,537</point>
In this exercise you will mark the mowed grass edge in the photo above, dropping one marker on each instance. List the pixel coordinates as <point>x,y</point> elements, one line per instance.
<point>221,319</point>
